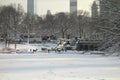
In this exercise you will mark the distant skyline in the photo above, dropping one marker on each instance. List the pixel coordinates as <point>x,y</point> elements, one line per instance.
<point>55,6</point>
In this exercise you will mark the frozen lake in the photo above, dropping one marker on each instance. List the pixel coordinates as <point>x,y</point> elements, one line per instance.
<point>53,66</point>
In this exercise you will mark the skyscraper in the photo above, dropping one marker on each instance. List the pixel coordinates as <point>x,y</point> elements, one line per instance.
<point>30,7</point>
<point>94,10</point>
<point>73,7</point>
<point>49,12</point>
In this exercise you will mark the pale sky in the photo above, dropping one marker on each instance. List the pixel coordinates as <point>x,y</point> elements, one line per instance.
<point>55,6</point>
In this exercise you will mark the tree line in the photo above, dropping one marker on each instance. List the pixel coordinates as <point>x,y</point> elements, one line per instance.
<point>14,23</point>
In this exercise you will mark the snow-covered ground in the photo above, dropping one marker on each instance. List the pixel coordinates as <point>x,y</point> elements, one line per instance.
<point>70,65</point>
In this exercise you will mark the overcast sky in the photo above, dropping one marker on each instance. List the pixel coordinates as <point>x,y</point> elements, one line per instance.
<point>41,6</point>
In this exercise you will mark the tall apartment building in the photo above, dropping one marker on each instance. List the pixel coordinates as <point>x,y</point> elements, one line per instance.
<point>73,7</point>
<point>94,10</point>
<point>30,7</point>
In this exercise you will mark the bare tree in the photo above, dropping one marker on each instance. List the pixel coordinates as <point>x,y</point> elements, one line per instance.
<point>10,18</point>
<point>7,23</point>
<point>62,23</point>
<point>84,26</point>
<point>73,25</point>
<point>50,23</point>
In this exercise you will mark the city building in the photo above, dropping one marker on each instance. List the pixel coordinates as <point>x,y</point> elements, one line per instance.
<point>30,7</point>
<point>49,12</point>
<point>94,10</point>
<point>73,7</point>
